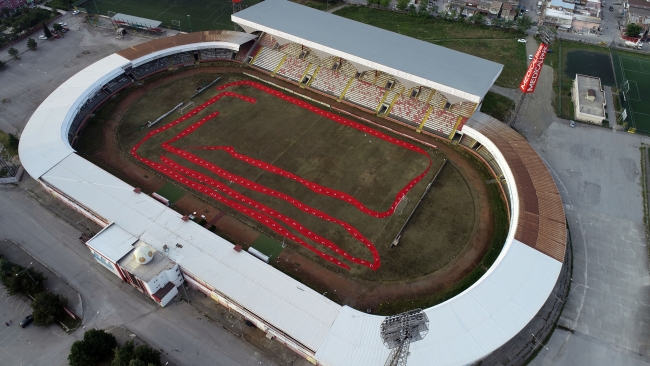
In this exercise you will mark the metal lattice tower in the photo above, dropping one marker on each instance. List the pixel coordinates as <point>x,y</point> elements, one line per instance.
<point>399,331</point>
<point>236,6</point>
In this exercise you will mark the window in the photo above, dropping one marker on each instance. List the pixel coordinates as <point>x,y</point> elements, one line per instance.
<point>103,261</point>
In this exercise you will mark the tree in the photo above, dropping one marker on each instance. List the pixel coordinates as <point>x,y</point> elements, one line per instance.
<point>508,24</point>
<point>633,30</point>
<point>13,141</point>
<point>31,44</point>
<point>422,8</point>
<point>46,31</point>
<point>384,3</point>
<point>147,355</point>
<point>17,279</point>
<point>96,346</point>
<point>402,4</point>
<point>373,2</point>
<point>47,308</point>
<point>524,23</point>
<point>2,64</point>
<point>124,354</point>
<point>13,52</point>
<point>57,27</point>
<point>498,22</point>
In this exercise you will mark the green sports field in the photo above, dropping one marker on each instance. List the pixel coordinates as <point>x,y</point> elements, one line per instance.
<point>194,15</point>
<point>634,69</point>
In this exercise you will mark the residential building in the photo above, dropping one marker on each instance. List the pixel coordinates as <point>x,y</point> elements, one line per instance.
<point>588,99</point>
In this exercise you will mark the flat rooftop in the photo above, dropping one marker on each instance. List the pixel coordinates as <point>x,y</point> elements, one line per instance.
<point>420,62</point>
<point>146,272</point>
<point>593,107</point>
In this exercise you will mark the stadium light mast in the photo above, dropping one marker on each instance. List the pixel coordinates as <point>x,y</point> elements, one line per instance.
<point>188,20</point>
<point>399,331</point>
<point>236,6</point>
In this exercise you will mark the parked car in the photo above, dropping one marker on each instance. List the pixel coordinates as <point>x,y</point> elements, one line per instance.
<point>530,57</point>
<point>611,8</point>
<point>572,124</point>
<point>27,321</point>
<point>521,40</point>
<point>75,12</point>
<point>63,24</point>
<point>42,37</point>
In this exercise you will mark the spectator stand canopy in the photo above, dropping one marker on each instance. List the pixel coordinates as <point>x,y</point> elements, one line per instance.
<point>134,21</point>
<point>413,61</point>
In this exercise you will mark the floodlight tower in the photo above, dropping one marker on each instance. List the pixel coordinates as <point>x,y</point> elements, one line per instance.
<point>399,331</point>
<point>236,6</point>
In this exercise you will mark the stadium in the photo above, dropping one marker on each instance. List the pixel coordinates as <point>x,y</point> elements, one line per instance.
<point>338,67</point>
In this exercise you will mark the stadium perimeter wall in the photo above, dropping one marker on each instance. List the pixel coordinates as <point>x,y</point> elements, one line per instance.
<point>463,329</point>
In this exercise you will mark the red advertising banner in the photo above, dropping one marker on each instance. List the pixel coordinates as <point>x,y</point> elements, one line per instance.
<point>529,82</point>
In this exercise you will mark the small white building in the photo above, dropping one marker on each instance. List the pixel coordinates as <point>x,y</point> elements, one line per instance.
<point>137,263</point>
<point>588,99</point>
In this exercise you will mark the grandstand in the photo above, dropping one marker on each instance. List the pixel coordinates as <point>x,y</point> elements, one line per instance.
<point>435,89</point>
<point>419,85</point>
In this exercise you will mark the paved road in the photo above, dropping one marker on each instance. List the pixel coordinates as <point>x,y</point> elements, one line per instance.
<point>179,329</point>
<point>598,174</point>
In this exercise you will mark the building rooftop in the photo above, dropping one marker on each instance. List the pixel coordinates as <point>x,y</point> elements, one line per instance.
<point>138,21</point>
<point>113,242</point>
<point>146,271</point>
<point>593,107</point>
<point>419,62</point>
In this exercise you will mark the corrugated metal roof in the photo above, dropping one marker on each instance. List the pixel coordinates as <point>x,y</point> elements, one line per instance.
<point>146,22</point>
<point>113,242</point>
<point>221,36</point>
<point>424,63</point>
<point>282,301</point>
<point>542,223</point>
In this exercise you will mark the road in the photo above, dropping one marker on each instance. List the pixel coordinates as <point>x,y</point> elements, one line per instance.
<point>179,330</point>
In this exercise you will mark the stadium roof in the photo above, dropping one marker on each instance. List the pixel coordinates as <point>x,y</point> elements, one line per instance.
<point>148,23</point>
<point>420,62</point>
<point>113,242</point>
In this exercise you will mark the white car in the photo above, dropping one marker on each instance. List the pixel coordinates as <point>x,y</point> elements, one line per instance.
<point>42,37</point>
<point>521,40</point>
<point>63,24</point>
<point>75,12</point>
<point>530,57</point>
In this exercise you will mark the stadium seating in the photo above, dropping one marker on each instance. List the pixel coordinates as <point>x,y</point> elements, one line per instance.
<point>483,152</point>
<point>424,94</point>
<point>293,68</point>
<point>347,69</point>
<point>268,59</point>
<point>182,58</point>
<point>368,76</point>
<point>440,122</point>
<point>383,78</point>
<point>216,53</point>
<point>117,83</point>
<point>292,49</point>
<point>438,100</point>
<point>364,94</point>
<point>243,51</point>
<point>409,110</point>
<point>151,67</point>
<point>267,41</point>
<point>467,141</point>
<point>331,82</point>
<point>465,109</point>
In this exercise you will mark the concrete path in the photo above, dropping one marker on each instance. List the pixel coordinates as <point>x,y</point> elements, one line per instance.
<point>513,94</point>
<point>611,114</point>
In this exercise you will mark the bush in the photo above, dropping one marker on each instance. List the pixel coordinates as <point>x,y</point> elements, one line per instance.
<point>13,141</point>
<point>124,354</point>
<point>95,347</point>
<point>213,228</point>
<point>202,222</point>
<point>147,355</point>
<point>47,308</point>
<point>633,30</point>
<point>31,44</point>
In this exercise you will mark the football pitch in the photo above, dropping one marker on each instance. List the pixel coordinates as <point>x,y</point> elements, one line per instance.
<point>633,77</point>
<point>193,15</point>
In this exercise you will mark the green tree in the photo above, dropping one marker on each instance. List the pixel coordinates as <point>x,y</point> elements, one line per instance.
<point>524,23</point>
<point>148,355</point>
<point>17,279</point>
<point>57,27</point>
<point>13,141</point>
<point>384,3</point>
<point>402,4</point>
<point>13,52</point>
<point>136,362</point>
<point>124,354</point>
<point>96,346</point>
<point>498,22</point>
<point>422,8</point>
<point>2,64</point>
<point>373,2</point>
<point>31,44</point>
<point>633,30</point>
<point>47,308</point>
<point>46,31</point>
<point>508,24</point>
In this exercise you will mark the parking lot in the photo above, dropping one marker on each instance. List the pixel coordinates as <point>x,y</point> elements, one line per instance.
<point>30,345</point>
<point>28,81</point>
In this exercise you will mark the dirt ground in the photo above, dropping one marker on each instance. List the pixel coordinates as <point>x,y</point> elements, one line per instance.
<point>361,289</point>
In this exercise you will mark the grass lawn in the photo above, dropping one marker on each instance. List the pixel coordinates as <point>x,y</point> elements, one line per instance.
<point>202,15</point>
<point>490,43</point>
<point>268,246</point>
<point>172,192</point>
<point>497,106</point>
<point>329,154</point>
<point>635,69</point>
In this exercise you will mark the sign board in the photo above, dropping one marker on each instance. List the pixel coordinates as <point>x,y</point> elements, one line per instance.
<point>529,82</point>
<point>624,114</point>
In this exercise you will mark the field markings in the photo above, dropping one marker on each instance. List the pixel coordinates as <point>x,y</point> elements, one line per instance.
<point>171,6</point>
<point>638,94</point>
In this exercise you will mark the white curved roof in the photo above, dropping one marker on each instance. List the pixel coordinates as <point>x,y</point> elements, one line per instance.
<point>420,62</point>
<point>462,330</point>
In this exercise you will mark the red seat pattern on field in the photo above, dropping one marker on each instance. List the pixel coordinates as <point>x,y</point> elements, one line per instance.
<point>256,210</point>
